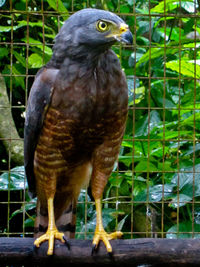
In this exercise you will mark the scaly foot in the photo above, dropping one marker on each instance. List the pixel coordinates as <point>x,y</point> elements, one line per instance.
<point>50,235</point>
<point>100,234</point>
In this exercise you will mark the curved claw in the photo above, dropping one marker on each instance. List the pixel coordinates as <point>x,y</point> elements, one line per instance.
<point>49,236</point>
<point>66,242</point>
<point>35,248</point>
<point>94,247</point>
<point>102,235</point>
<point>110,254</point>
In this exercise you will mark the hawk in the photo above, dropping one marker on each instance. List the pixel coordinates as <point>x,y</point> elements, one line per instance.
<point>75,121</point>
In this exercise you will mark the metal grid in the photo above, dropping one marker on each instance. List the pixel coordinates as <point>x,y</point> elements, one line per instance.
<point>159,158</point>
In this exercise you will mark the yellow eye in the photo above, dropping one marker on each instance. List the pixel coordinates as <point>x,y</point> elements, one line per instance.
<point>102,26</point>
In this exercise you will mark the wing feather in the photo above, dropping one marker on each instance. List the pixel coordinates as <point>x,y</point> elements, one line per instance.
<point>39,99</point>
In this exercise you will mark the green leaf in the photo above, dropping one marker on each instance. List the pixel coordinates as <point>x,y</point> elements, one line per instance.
<point>155,193</point>
<point>127,160</point>
<point>158,152</point>
<point>171,134</point>
<point>57,5</point>
<point>27,207</point>
<point>20,58</point>
<point>124,9</point>
<point>29,222</point>
<point>3,52</point>
<point>116,180</point>
<point>40,24</point>
<point>145,166</point>
<point>180,200</point>
<point>38,44</point>
<point>127,143</point>
<point>185,68</point>
<point>192,149</point>
<point>188,184</point>
<point>13,180</point>
<point>7,28</point>
<point>168,5</point>
<point>143,127</point>
<point>124,188</point>
<point>122,223</point>
<point>23,23</point>
<point>173,33</point>
<point>177,231</point>
<point>35,61</point>
<point>2,2</point>
<point>190,121</point>
<point>193,45</point>
<point>156,53</point>
<point>18,80</point>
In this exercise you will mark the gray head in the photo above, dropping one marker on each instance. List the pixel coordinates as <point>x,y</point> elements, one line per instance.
<point>90,30</point>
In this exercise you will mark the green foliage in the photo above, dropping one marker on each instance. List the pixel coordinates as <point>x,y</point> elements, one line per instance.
<point>160,155</point>
<point>13,180</point>
<point>162,147</point>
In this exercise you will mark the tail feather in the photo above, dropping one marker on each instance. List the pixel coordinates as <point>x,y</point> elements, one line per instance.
<point>41,221</point>
<point>64,203</point>
<point>65,223</point>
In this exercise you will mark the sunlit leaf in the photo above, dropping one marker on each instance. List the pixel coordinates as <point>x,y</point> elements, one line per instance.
<point>38,44</point>
<point>35,61</point>
<point>180,200</point>
<point>26,207</point>
<point>145,166</point>
<point>183,229</point>
<point>13,180</point>
<point>185,68</point>
<point>169,5</point>
<point>57,5</point>
<point>155,193</point>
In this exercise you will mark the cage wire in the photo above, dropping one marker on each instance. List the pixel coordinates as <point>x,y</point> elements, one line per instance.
<point>154,188</point>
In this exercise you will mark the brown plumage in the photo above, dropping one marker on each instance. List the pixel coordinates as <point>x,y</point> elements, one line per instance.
<point>75,123</point>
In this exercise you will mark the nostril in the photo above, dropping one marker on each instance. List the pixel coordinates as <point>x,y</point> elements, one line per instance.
<point>123,28</point>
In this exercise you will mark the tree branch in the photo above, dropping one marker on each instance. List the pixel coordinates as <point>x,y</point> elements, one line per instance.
<point>11,140</point>
<point>159,252</point>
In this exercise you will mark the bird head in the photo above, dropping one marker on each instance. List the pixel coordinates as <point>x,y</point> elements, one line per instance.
<point>92,29</point>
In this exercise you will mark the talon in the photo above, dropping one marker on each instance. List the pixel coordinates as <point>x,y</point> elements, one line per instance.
<point>94,247</point>
<point>35,248</point>
<point>52,232</point>
<point>66,242</point>
<point>49,236</point>
<point>110,254</point>
<point>100,233</point>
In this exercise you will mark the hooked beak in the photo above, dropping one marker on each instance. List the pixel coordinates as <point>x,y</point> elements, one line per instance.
<point>125,35</point>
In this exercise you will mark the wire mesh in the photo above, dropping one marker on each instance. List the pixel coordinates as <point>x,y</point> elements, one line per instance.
<point>154,188</point>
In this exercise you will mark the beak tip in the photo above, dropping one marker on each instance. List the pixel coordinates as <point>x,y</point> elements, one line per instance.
<point>127,37</point>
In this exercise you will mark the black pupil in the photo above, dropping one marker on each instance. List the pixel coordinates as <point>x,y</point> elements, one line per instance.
<point>103,25</point>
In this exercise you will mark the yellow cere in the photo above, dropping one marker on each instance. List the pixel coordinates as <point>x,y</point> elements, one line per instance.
<point>123,28</point>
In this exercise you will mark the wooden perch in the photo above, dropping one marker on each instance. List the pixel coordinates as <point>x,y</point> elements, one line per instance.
<point>134,252</point>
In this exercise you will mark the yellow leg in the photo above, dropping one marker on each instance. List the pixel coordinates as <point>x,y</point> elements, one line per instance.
<point>52,231</point>
<point>100,233</point>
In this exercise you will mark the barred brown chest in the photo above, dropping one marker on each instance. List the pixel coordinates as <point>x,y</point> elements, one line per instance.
<point>65,144</point>
<point>83,125</point>
<point>72,138</point>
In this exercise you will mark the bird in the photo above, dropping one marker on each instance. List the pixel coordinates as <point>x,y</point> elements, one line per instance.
<point>75,121</point>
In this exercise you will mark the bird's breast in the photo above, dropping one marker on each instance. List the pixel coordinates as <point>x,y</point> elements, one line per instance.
<point>90,93</point>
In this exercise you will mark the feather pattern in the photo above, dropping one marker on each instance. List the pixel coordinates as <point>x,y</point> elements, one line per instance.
<point>75,122</point>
